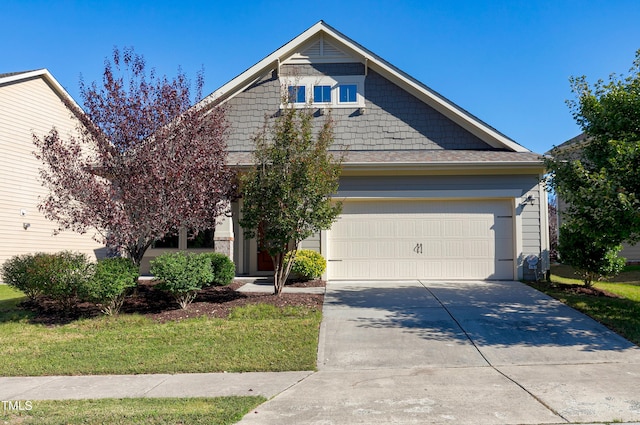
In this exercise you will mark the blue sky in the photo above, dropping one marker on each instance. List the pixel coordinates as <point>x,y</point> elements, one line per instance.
<point>507,62</point>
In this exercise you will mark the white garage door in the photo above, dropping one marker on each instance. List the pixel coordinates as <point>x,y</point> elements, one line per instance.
<point>422,240</point>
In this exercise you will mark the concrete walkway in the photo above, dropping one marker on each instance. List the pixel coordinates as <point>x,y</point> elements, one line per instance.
<point>266,384</point>
<point>418,353</point>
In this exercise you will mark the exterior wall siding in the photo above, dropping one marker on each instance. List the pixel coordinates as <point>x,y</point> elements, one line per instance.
<point>394,119</point>
<point>29,107</point>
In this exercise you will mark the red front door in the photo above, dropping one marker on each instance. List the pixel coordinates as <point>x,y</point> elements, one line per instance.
<point>265,264</point>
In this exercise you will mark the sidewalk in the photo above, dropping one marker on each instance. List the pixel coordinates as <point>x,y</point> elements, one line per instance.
<point>267,384</point>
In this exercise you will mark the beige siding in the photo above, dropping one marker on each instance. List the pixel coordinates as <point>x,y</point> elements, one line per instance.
<point>27,107</point>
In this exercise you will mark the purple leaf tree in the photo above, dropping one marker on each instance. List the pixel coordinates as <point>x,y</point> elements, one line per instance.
<point>145,163</point>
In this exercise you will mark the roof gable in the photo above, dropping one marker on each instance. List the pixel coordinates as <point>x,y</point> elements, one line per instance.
<point>322,43</point>
<point>18,77</point>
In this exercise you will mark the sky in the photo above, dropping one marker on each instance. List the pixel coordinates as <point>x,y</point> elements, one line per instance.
<point>506,62</point>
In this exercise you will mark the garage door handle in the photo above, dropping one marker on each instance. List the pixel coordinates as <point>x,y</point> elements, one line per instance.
<point>334,260</point>
<point>505,259</point>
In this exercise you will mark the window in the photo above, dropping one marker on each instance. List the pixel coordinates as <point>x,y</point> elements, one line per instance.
<point>167,242</point>
<point>297,94</point>
<point>322,94</point>
<point>326,91</point>
<point>203,239</point>
<point>348,93</point>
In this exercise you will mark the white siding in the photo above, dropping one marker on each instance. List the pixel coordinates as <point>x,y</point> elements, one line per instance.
<point>28,107</point>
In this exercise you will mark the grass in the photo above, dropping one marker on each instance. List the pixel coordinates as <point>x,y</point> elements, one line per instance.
<point>254,338</point>
<point>621,315</point>
<point>220,410</point>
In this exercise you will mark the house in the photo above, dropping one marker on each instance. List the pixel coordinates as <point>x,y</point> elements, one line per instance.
<point>429,190</point>
<point>31,103</point>
<point>571,149</point>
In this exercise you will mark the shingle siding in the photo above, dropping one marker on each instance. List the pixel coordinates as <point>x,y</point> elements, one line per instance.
<point>394,119</point>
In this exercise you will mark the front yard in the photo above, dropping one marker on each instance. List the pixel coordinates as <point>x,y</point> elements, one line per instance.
<point>252,337</point>
<point>615,302</point>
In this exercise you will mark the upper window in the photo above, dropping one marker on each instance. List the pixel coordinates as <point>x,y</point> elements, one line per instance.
<point>333,91</point>
<point>297,94</point>
<point>322,94</point>
<point>348,93</point>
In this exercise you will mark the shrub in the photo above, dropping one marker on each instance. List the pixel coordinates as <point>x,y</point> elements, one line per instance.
<point>308,264</point>
<point>591,259</point>
<point>63,276</point>
<point>222,268</point>
<point>182,275</point>
<point>18,272</point>
<point>110,284</point>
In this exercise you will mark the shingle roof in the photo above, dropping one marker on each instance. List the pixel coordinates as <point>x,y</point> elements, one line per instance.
<point>11,74</point>
<point>418,157</point>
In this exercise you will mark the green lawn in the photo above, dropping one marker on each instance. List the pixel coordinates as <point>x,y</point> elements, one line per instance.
<point>619,314</point>
<point>146,411</point>
<point>254,338</point>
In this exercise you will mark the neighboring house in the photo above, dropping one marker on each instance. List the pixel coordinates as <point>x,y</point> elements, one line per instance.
<point>429,190</point>
<point>572,149</point>
<point>31,103</point>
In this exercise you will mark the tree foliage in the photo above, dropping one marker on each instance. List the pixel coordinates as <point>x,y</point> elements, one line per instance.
<point>287,194</point>
<point>145,162</point>
<point>591,259</point>
<point>599,178</point>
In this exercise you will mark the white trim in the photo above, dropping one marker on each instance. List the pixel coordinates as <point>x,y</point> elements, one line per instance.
<point>46,75</point>
<point>518,263</point>
<point>545,246</point>
<point>333,81</point>
<point>323,251</point>
<point>429,194</point>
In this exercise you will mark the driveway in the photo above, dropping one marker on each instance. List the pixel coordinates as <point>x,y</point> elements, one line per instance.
<point>419,352</point>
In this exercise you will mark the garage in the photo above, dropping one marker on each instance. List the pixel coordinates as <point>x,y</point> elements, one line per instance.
<point>418,239</point>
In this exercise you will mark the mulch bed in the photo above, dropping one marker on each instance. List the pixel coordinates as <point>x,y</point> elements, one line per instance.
<point>580,289</point>
<point>215,301</point>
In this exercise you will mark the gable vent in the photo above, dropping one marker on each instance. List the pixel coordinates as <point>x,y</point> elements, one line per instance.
<point>313,51</point>
<point>330,50</point>
<point>322,49</point>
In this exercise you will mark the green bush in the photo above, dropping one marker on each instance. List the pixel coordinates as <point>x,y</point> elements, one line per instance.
<point>222,268</point>
<point>591,259</point>
<point>110,284</point>
<point>18,272</point>
<point>308,264</point>
<point>63,276</point>
<point>182,275</point>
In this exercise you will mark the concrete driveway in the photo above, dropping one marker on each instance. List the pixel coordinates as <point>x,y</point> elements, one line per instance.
<point>416,352</point>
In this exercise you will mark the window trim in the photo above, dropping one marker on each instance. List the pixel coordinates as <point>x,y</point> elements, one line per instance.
<point>334,82</point>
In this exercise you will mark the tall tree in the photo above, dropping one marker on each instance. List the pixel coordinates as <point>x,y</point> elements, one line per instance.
<point>600,178</point>
<point>145,164</point>
<point>287,194</point>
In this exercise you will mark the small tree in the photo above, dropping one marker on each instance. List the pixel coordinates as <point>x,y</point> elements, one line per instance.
<point>600,181</point>
<point>589,256</point>
<point>146,163</point>
<point>287,194</point>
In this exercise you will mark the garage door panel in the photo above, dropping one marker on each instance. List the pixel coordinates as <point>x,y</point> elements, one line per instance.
<point>422,239</point>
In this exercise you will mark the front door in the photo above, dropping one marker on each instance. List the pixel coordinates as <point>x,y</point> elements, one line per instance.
<point>265,264</point>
